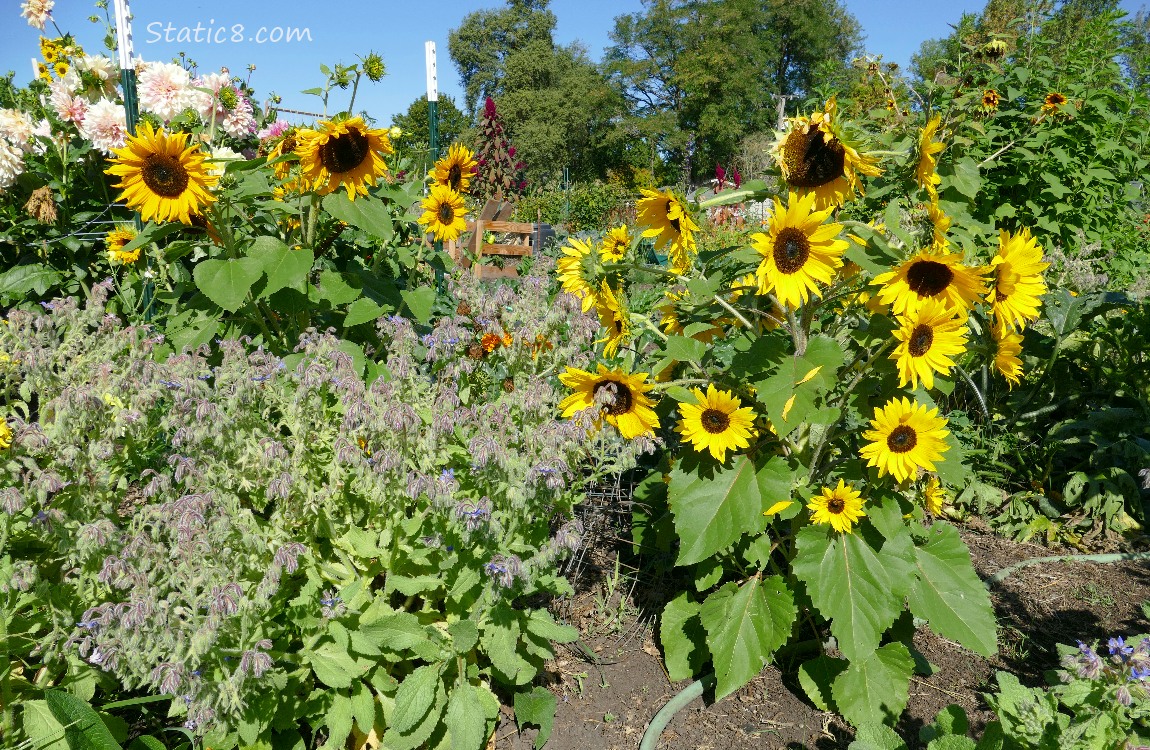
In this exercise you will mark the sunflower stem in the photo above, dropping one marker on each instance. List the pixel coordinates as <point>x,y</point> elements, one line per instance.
<point>680,381</point>
<point>354,89</point>
<point>816,455</point>
<point>977,393</point>
<point>727,306</point>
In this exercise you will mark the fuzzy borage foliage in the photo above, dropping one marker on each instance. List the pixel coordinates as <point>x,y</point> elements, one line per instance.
<point>288,550</point>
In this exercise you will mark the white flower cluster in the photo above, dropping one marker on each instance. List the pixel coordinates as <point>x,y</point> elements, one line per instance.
<point>18,136</point>
<point>99,119</point>
<point>38,12</point>
<point>167,89</point>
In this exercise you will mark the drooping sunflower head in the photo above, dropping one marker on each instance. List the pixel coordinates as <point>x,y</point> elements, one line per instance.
<point>284,147</point>
<point>114,242</point>
<point>1018,284</point>
<point>717,423</point>
<point>905,437</point>
<point>618,397</point>
<point>576,273</point>
<point>665,218</point>
<point>615,244</point>
<point>931,275</point>
<point>799,252</point>
<point>990,100</point>
<point>162,177</point>
<point>614,317</point>
<point>343,153</point>
<point>456,169</point>
<point>925,171</point>
<point>940,225</point>
<point>928,338</point>
<point>933,496</point>
<point>1008,345</point>
<point>444,213</point>
<point>840,506</point>
<point>5,434</point>
<point>815,157</point>
<point>1053,102</point>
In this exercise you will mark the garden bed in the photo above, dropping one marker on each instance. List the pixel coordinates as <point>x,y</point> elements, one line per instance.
<point>609,705</point>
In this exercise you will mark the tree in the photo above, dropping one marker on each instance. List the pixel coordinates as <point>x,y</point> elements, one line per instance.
<point>481,44</point>
<point>1136,50</point>
<point>415,123</point>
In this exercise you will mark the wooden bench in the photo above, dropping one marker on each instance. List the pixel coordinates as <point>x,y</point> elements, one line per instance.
<point>494,217</point>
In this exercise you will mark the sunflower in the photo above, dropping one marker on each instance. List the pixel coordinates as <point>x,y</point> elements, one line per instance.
<point>621,398</point>
<point>840,506</point>
<point>990,100</point>
<point>43,72</point>
<point>717,423</point>
<point>929,337</point>
<point>615,244</point>
<point>925,171</point>
<point>163,178</point>
<point>1018,282</point>
<point>115,240</point>
<point>61,69</point>
<point>614,317</point>
<point>50,52</point>
<point>814,158</point>
<point>1006,360</point>
<point>931,275</point>
<point>444,213</point>
<point>667,221</point>
<point>573,272</point>
<point>346,153</point>
<point>905,437</point>
<point>941,224</point>
<point>799,250</point>
<point>5,434</point>
<point>933,496</point>
<point>1053,102</point>
<point>456,169</point>
<point>286,146</point>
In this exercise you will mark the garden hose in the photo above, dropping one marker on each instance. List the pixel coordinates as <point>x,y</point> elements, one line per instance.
<point>672,707</point>
<point>1114,557</point>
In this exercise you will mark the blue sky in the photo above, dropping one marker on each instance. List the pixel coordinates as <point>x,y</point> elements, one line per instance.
<point>338,31</point>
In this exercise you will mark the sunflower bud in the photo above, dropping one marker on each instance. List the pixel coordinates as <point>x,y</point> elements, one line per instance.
<point>994,49</point>
<point>373,67</point>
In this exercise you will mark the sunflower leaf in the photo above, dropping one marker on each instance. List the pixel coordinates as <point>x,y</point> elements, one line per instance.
<point>681,633</point>
<point>366,213</point>
<point>851,585</point>
<point>949,595</point>
<point>284,267</point>
<point>712,509</point>
<point>227,282</point>
<point>745,625</point>
<point>874,687</point>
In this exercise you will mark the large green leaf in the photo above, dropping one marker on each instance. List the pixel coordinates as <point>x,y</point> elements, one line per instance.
<point>816,678</point>
<point>683,638</point>
<point>470,712</point>
<point>83,727</point>
<point>792,393</point>
<point>35,277</point>
<point>419,302</point>
<point>365,212</point>
<point>873,689</point>
<point>284,267</point>
<point>415,697</point>
<point>745,625</point>
<point>334,666</point>
<point>711,512</point>
<point>851,586</point>
<point>227,282</point>
<point>949,595</point>
<point>536,707</point>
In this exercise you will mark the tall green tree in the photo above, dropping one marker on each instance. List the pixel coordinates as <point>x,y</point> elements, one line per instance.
<point>479,47</point>
<point>699,75</point>
<point>416,127</point>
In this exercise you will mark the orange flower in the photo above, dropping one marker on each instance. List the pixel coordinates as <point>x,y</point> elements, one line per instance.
<point>489,342</point>
<point>508,340</point>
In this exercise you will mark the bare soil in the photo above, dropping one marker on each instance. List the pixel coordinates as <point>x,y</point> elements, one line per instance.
<point>608,705</point>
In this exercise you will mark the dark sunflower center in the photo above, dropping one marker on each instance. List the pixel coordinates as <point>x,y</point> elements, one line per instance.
<point>455,177</point>
<point>927,278</point>
<point>812,161</point>
<point>164,175</point>
<point>792,248</point>
<point>920,340</point>
<point>622,403</point>
<point>345,152</point>
<point>836,505</point>
<point>445,213</point>
<point>902,439</point>
<point>715,421</point>
<point>673,222</point>
<point>618,325</point>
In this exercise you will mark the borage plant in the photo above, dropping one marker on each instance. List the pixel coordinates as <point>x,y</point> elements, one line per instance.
<point>288,551</point>
<point>809,459</point>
